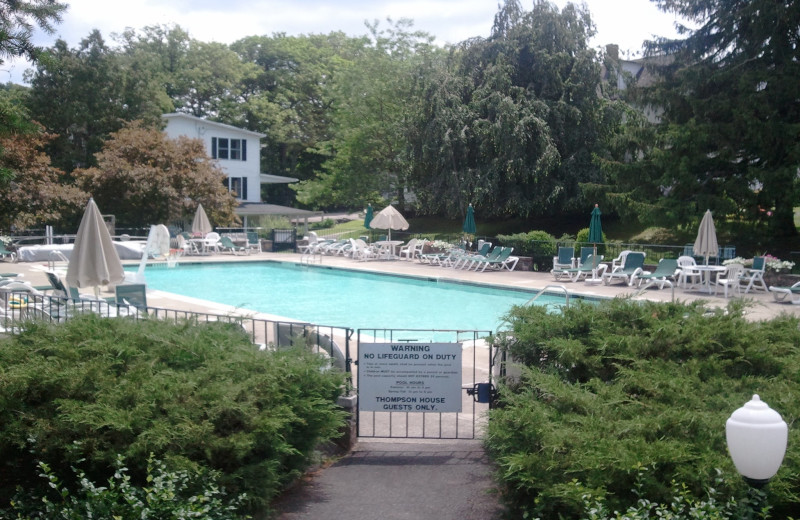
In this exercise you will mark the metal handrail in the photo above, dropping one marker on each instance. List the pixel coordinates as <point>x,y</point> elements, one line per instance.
<point>551,286</point>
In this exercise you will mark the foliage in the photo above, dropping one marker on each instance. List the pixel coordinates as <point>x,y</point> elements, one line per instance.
<point>539,245</point>
<point>607,387</point>
<point>32,194</point>
<point>511,122</point>
<point>83,95</point>
<point>196,395</point>
<point>681,505</point>
<point>728,136</point>
<point>166,495</point>
<point>147,177</point>
<point>372,100</point>
<point>322,224</point>
<point>17,21</point>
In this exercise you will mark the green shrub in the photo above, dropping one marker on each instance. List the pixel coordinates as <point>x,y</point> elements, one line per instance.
<point>539,245</point>
<point>197,396</point>
<point>167,495</point>
<point>608,387</point>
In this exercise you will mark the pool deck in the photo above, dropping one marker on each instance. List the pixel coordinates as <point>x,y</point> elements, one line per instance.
<point>763,305</point>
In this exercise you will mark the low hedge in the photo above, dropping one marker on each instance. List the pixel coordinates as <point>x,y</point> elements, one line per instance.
<point>621,385</point>
<point>199,397</point>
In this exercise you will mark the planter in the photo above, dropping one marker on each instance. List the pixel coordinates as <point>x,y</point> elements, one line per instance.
<point>525,263</point>
<point>778,279</point>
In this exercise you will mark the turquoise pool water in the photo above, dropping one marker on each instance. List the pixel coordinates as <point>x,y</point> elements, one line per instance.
<point>343,298</point>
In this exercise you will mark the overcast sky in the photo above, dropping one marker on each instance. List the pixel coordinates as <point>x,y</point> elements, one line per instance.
<point>624,22</point>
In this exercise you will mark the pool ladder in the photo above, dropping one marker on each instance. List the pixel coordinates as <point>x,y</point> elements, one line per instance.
<point>551,286</point>
<point>311,257</point>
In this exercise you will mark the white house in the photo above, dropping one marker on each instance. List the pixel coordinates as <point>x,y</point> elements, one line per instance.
<point>238,153</point>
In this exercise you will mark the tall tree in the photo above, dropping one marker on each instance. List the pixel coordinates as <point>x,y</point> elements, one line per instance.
<point>372,97</point>
<point>85,94</point>
<point>730,130</point>
<point>149,178</point>
<point>33,194</point>
<point>512,123</point>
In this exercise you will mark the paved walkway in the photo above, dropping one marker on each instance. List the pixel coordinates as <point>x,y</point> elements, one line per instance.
<point>399,480</point>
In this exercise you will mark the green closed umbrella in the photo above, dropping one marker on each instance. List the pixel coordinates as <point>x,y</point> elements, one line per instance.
<point>595,232</point>
<point>469,222</point>
<point>368,216</point>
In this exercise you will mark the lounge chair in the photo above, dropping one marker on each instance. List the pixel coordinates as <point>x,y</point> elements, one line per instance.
<point>312,241</point>
<point>7,253</point>
<point>253,242</point>
<point>465,259</point>
<point>731,277</point>
<point>786,294</point>
<point>585,252</point>
<point>633,266</point>
<point>667,268</point>
<point>338,247</point>
<point>476,260</point>
<point>503,260</point>
<point>565,258</point>
<point>361,251</point>
<point>132,294</point>
<point>754,276</point>
<point>226,244</point>
<point>590,265</point>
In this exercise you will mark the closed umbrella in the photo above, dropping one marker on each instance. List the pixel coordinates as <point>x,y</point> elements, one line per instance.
<point>200,224</point>
<point>469,222</point>
<point>368,216</point>
<point>94,260</point>
<point>595,230</point>
<point>706,243</point>
<point>389,218</point>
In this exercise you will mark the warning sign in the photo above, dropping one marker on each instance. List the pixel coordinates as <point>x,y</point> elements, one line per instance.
<point>409,377</point>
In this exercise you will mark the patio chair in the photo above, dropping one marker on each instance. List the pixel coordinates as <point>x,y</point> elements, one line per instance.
<point>226,244</point>
<point>132,294</point>
<point>565,258</point>
<point>476,260</point>
<point>7,253</point>
<point>687,273</point>
<point>410,250</point>
<point>786,294</point>
<point>731,277</point>
<point>619,261</point>
<point>465,259</point>
<point>667,268</point>
<point>633,266</point>
<point>361,251</point>
<point>754,276</point>
<point>311,244</point>
<point>503,260</point>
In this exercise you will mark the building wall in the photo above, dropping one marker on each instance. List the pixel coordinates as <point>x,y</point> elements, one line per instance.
<point>236,169</point>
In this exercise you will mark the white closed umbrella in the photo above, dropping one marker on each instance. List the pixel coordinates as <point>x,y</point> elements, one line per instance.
<point>706,243</point>
<point>200,224</point>
<point>389,218</point>
<point>94,260</point>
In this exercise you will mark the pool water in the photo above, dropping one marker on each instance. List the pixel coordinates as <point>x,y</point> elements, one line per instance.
<point>343,298</point>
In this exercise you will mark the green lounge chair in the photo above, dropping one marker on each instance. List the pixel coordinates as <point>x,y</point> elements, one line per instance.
<point>591,264</point>
<point>666,268</point>
<point>633,266</point>
<point>500,262</point>
<point>227,244</point>
<point>786,294</point>
<point>565,258</point>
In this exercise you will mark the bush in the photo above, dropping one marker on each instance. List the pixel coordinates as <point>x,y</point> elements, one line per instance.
<point>612,386</point>
<point>199,397</point>
<point>539,245</point>
<point>168,495</point>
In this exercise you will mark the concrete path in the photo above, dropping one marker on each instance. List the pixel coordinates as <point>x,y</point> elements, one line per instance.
<point>399,480</point>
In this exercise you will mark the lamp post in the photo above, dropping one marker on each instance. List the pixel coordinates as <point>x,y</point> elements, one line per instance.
<point>757,438</point>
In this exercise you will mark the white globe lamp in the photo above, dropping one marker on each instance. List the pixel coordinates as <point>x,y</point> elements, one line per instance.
<point>757,438</point>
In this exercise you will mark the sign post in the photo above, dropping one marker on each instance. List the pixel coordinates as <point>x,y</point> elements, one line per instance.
<point>409,377</point>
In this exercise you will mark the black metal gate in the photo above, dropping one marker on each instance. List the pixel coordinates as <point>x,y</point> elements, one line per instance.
<point>427,384</point>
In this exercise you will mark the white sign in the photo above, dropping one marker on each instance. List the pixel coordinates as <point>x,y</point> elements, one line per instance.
<point>409,377</point>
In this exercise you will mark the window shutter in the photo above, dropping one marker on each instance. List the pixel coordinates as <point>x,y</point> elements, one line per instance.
<point>213,147</point>
<point>244,149</point>
<point>244,188</point>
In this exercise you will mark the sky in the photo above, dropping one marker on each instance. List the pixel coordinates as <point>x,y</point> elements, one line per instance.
<point>624,22</point>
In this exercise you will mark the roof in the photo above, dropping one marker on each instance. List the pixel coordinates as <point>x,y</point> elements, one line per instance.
<point>189,117</point>
<point>268,178</point>
<point>251,209</point>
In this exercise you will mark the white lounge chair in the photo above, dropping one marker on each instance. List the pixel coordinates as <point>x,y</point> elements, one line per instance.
<point>786,294</point>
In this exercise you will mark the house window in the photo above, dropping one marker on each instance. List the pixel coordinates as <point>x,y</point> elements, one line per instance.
<point>237,186</point>
<point>225,148</point>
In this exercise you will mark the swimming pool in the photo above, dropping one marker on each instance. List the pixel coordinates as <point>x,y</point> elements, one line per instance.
<point>343,298</point>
